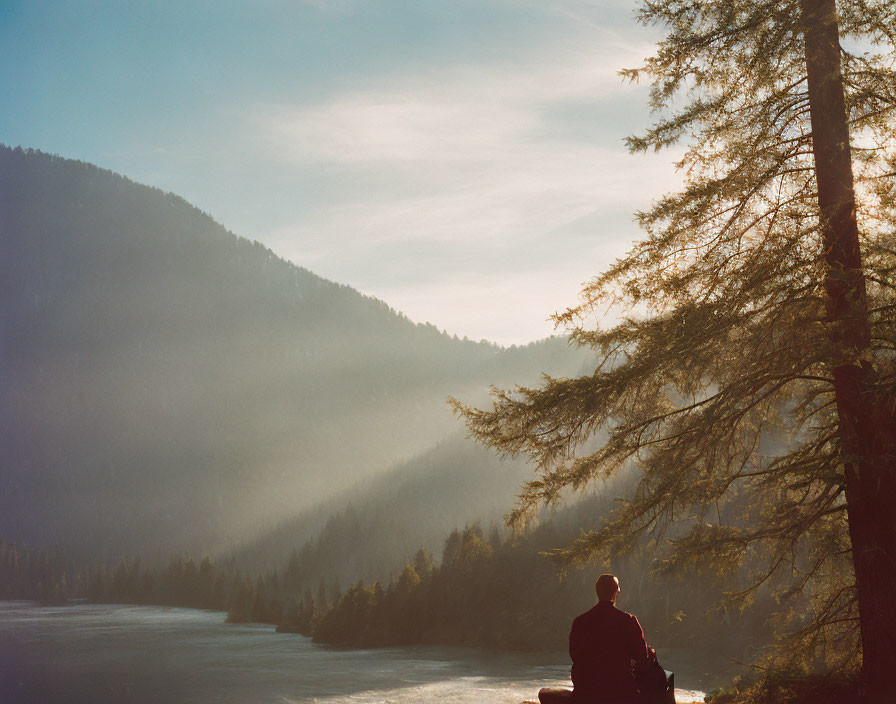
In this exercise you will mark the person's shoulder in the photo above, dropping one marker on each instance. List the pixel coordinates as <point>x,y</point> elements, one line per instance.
<point>587,616</point>
<point>625,615</point>
<point>582,617</point>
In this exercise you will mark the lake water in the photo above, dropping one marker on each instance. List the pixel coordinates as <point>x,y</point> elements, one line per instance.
<point>100,654</point>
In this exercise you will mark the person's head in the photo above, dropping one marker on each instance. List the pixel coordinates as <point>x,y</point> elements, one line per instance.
<point>607,587</point>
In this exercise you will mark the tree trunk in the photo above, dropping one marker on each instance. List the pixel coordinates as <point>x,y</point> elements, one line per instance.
<point>866,416</point>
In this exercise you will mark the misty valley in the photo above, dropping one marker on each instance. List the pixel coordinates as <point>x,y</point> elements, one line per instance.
<point>190,421</point>
<point>225,477</point>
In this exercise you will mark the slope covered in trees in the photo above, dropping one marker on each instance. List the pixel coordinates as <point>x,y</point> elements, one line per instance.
<point>169,384</point>
<point>489,589</point>
<point>369,530</point>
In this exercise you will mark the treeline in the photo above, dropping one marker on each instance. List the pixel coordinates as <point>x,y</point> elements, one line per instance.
<point>49,577</point>
<point>497,590</point>
<point>503,593</point>
<point>488,589</point>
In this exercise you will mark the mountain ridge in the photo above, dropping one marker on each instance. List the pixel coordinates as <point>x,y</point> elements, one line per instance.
<point>170,385</point>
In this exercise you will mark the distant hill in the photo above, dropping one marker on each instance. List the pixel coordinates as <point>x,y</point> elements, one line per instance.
<point>168,385</point>
<point>371,529</point>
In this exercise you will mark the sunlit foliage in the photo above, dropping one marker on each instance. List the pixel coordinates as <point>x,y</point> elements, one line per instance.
<point>716,386</point>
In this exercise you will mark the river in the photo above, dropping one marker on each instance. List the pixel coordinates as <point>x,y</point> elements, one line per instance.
<point>101,654</point>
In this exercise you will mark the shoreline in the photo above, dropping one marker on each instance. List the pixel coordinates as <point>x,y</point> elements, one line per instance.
<point>536,659</point>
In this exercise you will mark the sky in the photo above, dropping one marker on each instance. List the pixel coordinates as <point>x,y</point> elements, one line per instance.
<point>463,161</point>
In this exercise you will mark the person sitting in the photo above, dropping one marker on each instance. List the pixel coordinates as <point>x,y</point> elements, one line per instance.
<point>605,644</point>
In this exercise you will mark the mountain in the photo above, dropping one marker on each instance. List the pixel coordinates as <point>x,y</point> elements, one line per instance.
<point>167,385</point>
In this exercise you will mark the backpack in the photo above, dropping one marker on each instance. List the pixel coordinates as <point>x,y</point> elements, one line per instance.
<point>657,686</point>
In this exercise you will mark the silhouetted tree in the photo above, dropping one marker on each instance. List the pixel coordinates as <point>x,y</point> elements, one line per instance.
<point>423,564</point>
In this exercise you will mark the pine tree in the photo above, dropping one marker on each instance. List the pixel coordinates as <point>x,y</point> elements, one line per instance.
<point>751,385</point>
<point>423,564</point>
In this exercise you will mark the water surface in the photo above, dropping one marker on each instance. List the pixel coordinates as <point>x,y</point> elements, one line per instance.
<point>105,654</point>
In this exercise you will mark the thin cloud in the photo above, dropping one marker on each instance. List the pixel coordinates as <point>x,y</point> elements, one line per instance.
<point>468,173</point>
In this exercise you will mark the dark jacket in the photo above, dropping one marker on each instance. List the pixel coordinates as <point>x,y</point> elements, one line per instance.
<point>603,644</point>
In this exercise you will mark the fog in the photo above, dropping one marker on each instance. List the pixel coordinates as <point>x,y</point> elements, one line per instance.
<point>169,386</point>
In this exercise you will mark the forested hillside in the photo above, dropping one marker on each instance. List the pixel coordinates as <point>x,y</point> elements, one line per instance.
<point>369,530</point>
<point>169,384</point>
